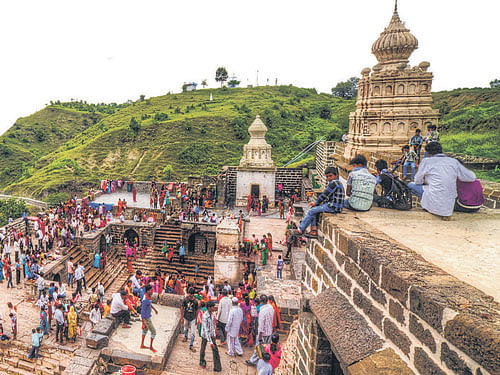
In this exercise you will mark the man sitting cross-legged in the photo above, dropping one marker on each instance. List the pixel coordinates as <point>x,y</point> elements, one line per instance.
<point>331,200</point>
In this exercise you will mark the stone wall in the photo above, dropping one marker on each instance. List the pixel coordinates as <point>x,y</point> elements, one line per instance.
<point>314,354</point>
<point>291,179</point>
<point>434,322</point>
<point>324,158</point>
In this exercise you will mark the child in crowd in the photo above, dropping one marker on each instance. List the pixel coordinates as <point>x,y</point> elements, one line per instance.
<point>36,341</point>
<point>279,268</point>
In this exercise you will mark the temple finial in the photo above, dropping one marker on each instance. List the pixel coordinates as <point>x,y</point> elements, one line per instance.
<point>395,6</point>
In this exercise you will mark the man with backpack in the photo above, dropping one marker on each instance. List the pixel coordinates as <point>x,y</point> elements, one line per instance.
<point>360,186</point>
<point>331,201</point>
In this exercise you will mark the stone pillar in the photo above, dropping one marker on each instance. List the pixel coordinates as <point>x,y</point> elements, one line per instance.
<point>227,234</point>
<point>227,267</point>
<point>226,260</point>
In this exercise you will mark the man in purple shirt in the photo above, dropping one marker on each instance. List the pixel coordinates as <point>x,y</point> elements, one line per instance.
<point>147,324</point>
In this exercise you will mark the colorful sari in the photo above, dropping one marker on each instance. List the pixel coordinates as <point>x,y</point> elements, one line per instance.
<point>72,320</point>
<point>247,325</point>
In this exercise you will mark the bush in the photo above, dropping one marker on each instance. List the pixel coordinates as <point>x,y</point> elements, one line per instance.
<point>11,208</point>
<point>55,198</point>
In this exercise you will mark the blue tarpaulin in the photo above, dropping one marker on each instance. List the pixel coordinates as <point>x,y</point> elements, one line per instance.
<point>95,205</point>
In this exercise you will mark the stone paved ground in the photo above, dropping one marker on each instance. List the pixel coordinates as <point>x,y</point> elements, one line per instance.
<point>184,362</point>
<point>28,317</point>
<point>467,247</point>
<point>112,198</point>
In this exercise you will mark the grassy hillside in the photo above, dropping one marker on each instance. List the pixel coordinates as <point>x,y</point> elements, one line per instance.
<point>37,135</point>
<point>68,146</point>
<point>470,123</point>
<point>188,131</point>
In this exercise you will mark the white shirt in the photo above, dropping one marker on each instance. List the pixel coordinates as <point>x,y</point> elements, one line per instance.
<point>79,274</point>
<point>439,175</point>
<point>225,305</point>
<point>266,316</point>
<point>135,282</point>
<point>95,316</point>
<point>234,321</point>
<point>117,304</point>
<point>62,290</point>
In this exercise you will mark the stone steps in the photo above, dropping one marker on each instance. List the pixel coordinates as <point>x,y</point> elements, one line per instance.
<point>13,360</point>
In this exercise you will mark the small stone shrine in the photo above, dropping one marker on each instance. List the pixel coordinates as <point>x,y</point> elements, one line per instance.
<point>256,174</point>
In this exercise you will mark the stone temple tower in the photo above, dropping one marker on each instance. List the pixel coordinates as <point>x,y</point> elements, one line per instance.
<point>394,98</point>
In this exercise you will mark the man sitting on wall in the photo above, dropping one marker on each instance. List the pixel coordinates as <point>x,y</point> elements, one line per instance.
<point>360,186</point>
<point>330,201</point>
<point>436,181</point>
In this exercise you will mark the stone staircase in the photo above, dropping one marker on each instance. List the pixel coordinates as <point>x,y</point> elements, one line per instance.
<point>13,360</point>
<point>171,232</point>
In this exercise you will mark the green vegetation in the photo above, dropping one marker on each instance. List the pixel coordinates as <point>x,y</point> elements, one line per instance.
<point>186,131</point>
<point>67,147</point>
<point>11,208</point>
<point>470,123</point>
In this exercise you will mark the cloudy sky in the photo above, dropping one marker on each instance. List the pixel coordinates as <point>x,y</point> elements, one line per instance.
<point>115,50</point>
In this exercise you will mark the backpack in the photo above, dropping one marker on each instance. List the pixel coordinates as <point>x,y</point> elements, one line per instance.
<point>395,193</point>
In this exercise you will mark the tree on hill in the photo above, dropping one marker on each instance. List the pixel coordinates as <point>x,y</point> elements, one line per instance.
<point>134,125</point>
<point>233,83</point>
<point>347,89</point>
<point>495,83</point>
<point>221,75</point>
<point>168,171</point>
<point>204,83</point>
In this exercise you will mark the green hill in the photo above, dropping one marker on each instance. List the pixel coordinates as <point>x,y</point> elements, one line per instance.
<point>68,146</point>
<point>187,131</point>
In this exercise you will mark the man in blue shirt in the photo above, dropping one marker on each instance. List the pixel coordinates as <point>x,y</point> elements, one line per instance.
<point>36,340</point>
<point>331,201</point>
<point>147,324</point>
<point>182,254</point>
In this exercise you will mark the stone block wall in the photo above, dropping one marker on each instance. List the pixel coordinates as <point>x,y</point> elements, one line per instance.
<point>433,321</point>
<point>325,152</point>
<point>291,179</point>
<point>313,354</point>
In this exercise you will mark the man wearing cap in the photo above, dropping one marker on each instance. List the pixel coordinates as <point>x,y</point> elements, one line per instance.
<point>119,310</point>
<point>223,315</point>
<point>233,329</point>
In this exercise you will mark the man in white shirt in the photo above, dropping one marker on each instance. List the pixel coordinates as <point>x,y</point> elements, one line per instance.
<point>79,277</point>
<point>436,181</point>
<point>233,329</point>
<point>227,287</point>
<point>136,284</point>
<point>225,305</point>
<point>119,310</point>
<point>265,327</point>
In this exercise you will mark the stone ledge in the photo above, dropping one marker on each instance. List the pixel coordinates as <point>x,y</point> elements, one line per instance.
<point>338,319</point>
<point>385,362</point>
<point>423,288</point>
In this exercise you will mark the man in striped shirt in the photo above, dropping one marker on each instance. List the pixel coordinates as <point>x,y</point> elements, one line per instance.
<point>331,201</point>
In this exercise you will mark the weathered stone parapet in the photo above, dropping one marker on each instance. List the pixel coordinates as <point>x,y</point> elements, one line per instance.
<point>227,266</point>
<point>434,322</point>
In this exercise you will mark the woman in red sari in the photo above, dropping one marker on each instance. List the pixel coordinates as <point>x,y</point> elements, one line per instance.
<point>248,323</point>
<point>277,316</point>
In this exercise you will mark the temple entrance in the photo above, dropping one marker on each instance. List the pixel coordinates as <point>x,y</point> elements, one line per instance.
<point>131,236</point>
<point>197,243</point>
<point>255,190</point>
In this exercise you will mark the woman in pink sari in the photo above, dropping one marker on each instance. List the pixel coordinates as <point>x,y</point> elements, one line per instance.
<point>247,325</point>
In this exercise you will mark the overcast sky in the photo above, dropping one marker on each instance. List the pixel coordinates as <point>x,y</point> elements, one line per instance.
<point>115,50</point>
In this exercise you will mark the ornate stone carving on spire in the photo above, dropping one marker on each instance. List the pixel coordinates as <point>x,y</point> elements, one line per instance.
<point>257,152</point>
<point>394,98</point>
<point>395,44</point>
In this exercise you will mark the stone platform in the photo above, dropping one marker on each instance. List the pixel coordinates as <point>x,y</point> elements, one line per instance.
<point>466,247</point>
<point>124,344</point>
<point>112,198</point>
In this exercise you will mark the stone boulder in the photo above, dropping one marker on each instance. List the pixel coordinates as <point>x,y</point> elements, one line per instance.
<point>104,327</point>
<point>96,341</point>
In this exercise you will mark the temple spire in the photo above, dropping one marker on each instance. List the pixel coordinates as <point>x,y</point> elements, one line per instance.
<point>395,6</point>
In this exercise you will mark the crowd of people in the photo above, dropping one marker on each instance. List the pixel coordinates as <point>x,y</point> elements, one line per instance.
<point>233,317</point>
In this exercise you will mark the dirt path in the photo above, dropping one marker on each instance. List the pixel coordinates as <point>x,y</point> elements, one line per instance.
<point>138,163</point>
